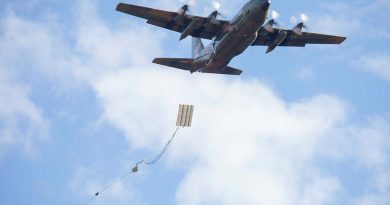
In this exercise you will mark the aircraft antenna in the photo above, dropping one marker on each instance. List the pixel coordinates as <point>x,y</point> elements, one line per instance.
<point>184,119</point>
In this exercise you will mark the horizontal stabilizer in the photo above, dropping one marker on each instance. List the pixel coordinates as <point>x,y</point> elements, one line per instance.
<point>226,71</point>
<point>188,64</point>
<point>180,63</point>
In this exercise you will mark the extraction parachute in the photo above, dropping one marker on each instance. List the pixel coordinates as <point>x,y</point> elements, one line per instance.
<point>184,119</point>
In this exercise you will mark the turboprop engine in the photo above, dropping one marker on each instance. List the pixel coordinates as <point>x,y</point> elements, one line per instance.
<point>212,18</point>
<point>181,12</point>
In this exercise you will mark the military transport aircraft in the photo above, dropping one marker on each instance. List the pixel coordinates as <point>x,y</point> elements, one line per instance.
<point>228,38</point>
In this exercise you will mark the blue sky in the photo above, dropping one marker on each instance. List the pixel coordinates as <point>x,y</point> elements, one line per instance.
<point>81,102</point>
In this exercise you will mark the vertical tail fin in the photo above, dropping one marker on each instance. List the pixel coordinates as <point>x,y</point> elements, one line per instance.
<point>197,46</point>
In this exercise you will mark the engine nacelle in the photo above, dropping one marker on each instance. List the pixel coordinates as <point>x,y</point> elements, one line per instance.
<point>212,18</point>
<point>183,10</point>
<point>298,29</point>
<point>195,24</point>
<point>269,26</point>
<point>279,39</point>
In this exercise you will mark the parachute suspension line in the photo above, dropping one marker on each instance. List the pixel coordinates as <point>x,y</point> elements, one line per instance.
<point>158,157</point>
<point>107,187</point>
<point>135,169</point>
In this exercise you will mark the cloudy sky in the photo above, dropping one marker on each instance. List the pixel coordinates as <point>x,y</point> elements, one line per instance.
<point>81,102</point>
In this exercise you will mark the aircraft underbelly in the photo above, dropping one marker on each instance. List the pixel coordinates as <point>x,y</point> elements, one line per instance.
<point>230,46</point>
<point>236,42</point>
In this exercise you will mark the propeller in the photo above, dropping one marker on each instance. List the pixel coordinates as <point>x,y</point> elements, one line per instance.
<point>214,15</point>
<point>275,15</point>
<point>216,5</point>
<point>303,18</point>
<point>183,10</point>
<point>270,24</point>
<point>186,7</point>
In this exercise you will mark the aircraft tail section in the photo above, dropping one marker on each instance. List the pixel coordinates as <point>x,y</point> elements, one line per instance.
<point>180,63</point>
<point>226,71</point>
<point>197,46</point>
<point>231,71</point>
<point>190,65</point>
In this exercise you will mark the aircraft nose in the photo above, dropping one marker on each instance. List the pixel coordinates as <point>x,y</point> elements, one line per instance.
<point>265,4</point>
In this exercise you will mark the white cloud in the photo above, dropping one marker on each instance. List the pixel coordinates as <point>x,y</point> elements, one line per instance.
<point>373,151</point>
<point>366,145</point>
<point>377,64</point>
<point>240,129</point>
<point>305,73</point>
<point>322,191</point>
<point>336,25</point>
<point>359,20</point>
<point>21,122</point>
<point>247,145</point>
<point>102,49</point>
<point>22,125</point>
<point>38,48</point>
<point>245,140</point>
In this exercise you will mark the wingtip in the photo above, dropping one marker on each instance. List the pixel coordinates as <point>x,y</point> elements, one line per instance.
<point>341,39</point>
<point>156,61</point>
<point>119,7</point>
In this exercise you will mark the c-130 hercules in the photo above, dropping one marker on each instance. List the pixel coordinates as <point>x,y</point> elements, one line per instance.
<point>229,38</point>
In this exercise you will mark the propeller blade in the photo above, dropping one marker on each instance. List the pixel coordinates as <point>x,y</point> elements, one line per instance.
<point>188,2</point>
<point>275,15</point>
<point>217,8</point>
<point>293,20</point>
<point>304,18</point>
<point>301,24</point>
<point>216,5</point>
<point>187,6</point>
<point>191,2</point>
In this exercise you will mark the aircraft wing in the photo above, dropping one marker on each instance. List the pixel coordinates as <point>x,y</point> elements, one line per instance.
<point>292,39</point>
<point>174,21</point>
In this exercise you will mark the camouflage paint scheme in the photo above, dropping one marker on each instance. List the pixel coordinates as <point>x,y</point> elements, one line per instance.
<point>229,38</point>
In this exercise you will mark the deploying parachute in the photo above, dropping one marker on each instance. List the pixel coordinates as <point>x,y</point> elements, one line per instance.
<point>184,119</point>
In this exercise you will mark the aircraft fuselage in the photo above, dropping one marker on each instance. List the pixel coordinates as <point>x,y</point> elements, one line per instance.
<point>224,47</point>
